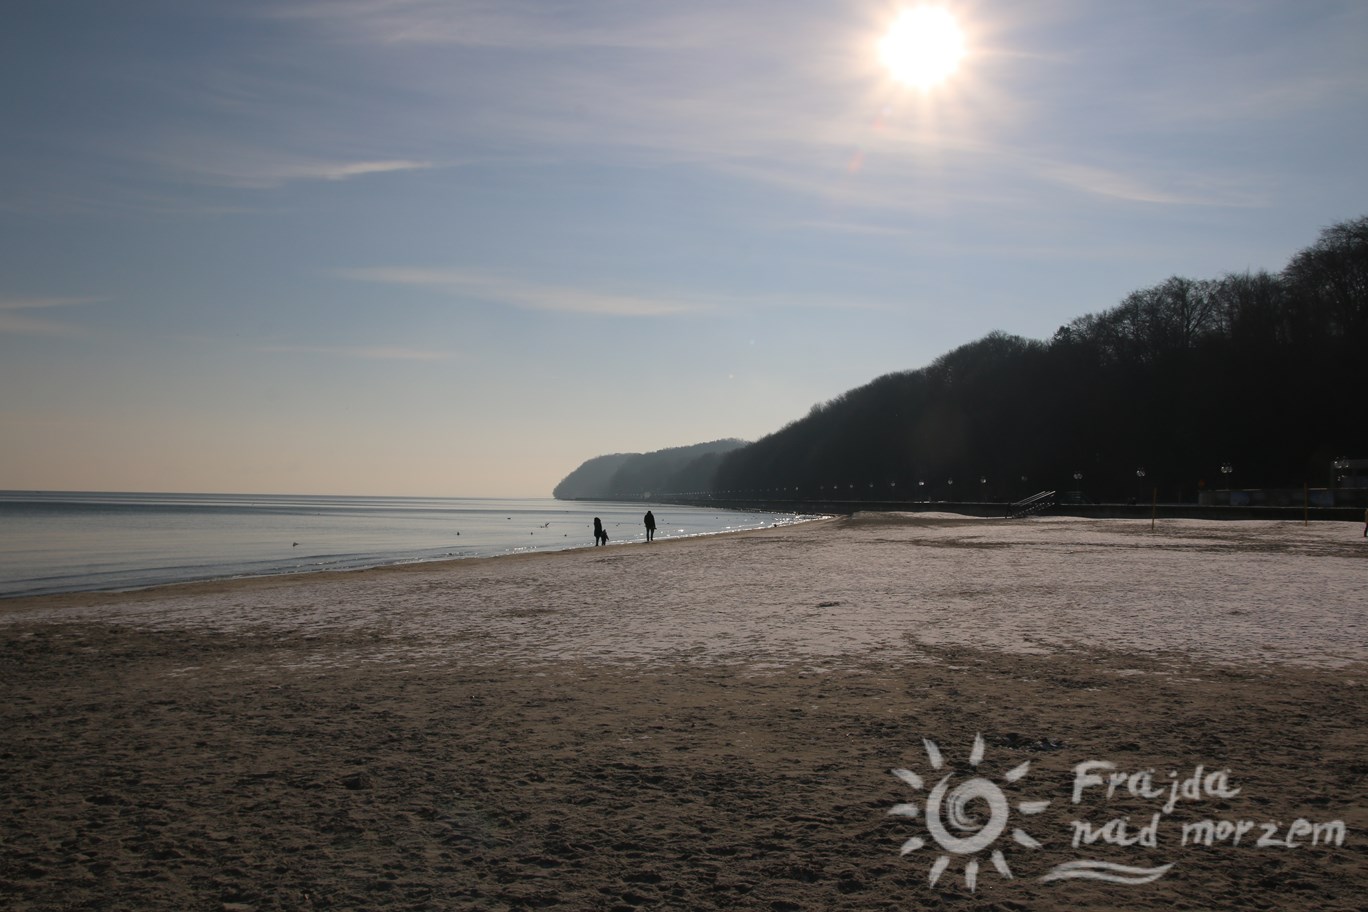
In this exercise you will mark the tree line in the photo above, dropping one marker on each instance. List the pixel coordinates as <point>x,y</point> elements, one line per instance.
<point>1248,380</point>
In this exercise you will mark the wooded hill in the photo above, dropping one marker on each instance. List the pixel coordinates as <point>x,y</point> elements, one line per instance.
<point>1259,373</point>
<point>631,476</point>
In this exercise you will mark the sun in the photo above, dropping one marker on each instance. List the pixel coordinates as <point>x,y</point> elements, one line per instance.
<point>924,46</point>
<point>971,834</point>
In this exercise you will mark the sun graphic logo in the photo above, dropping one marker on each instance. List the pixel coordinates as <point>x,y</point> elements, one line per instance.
<point>956,824</point>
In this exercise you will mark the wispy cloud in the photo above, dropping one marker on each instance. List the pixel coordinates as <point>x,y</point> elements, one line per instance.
<point>345,170</point>
<point>1135,188</point>
<point>367,353</point>
<point>248,167</point>
<point>496,289</point>
<point>689,82</point>
<point>501,23</point>
<point>264,174</point>
<point>15,320</point>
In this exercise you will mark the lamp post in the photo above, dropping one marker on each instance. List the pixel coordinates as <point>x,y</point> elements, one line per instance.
<point>1226,471</point>
<point>1139,485</point>
<point>921,492</point>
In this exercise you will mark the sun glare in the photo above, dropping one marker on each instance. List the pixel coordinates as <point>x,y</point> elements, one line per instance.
<point>923,47</point>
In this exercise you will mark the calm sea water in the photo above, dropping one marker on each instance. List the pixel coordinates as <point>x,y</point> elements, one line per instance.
<point>69,542</point>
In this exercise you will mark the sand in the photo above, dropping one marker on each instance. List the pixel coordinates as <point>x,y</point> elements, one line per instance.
<point>706,724</point>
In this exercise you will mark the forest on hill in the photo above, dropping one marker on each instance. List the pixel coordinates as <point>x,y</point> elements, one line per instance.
<point>632,476</point>
<point>1248,380</point>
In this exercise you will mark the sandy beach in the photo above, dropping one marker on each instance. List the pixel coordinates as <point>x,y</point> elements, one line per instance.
<point>712,724</point>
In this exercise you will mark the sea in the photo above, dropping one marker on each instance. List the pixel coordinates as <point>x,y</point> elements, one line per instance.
<point>53,542</point>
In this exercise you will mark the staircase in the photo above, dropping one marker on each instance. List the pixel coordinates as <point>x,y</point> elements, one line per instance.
<point>1032,505</point>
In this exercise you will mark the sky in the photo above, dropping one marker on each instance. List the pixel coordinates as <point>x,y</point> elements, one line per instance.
<point>457,247</point>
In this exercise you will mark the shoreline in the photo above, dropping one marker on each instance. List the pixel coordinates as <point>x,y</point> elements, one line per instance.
<point>873,585</point>
<point>227,584</point>
<point>111,542</point>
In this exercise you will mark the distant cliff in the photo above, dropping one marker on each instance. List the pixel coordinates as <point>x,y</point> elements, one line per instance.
<point>633,476</point>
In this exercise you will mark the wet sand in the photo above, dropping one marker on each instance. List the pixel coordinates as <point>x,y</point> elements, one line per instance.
<point>699,724</point>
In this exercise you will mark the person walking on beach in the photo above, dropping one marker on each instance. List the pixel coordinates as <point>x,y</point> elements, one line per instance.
<point>650,526</point>
<point>600,536</point>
